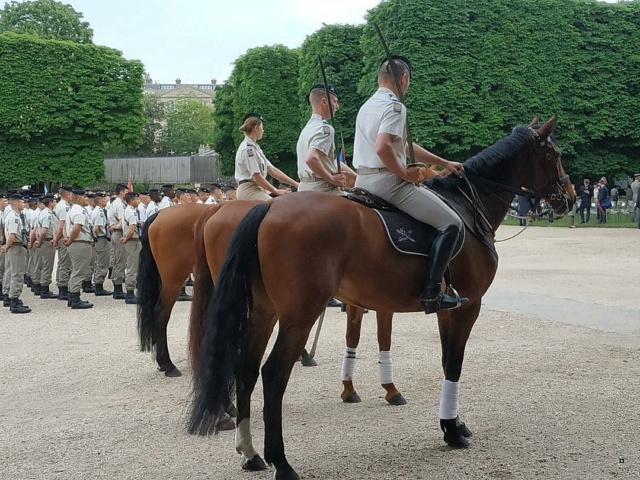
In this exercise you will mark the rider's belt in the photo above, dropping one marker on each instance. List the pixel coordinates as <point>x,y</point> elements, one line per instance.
<point>312,179</point>
<point>244,181</point>
<point>370,171</point>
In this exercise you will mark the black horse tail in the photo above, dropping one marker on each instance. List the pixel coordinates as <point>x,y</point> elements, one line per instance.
<point>227,327</point>
<point>149,287</point>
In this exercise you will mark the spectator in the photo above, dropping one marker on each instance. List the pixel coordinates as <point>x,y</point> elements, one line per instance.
<point>635,187</point>
<point>603,200</point>
<point>586,194</point>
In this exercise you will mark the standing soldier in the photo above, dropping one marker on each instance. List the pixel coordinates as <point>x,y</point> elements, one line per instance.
<point>79,244</point>
<point>131,242</point>
<point>15,249</point>
<point>169,195</point>
<point>116,217</point>
<point>102,247</point>
<point>64,262</point>
<point>3,204</point>
<point>30,213</point>
<point>36,262</point>
<point>145,199</point>
<point>44,244</point>
<point>155,199</point>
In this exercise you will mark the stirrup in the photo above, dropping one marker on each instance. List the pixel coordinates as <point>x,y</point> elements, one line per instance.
<point>442,301</point>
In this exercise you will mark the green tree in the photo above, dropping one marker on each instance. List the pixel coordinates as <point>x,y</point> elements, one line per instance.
<point>224,125</point>
<point>155,114</point>
<point>60,103</point>
<point>339,47</point>
<point>265,80</point>
<point>47,19</point>
<point>189,125</point>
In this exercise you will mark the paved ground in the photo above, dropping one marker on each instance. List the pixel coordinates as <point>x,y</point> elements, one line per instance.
<point>550,385</point>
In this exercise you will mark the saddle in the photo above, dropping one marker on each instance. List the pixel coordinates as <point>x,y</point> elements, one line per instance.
<point>406,234</point>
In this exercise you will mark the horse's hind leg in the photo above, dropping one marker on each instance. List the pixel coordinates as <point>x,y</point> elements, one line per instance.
<point>168,295</point>
<point>455,327</point>
<point>385,361</point>
<point>354,326</point>
<point>263,320</point>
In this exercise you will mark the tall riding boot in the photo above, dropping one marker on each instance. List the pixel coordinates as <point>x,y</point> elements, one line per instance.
<point>101,292</point>
<point>118,294</point>
<point>45,293</point>
<point>78,303</point>
<point>17,306</point>
<point>184,296</point>
<point>63,293</point>
<point>441,250</point>
<point>131,298</point>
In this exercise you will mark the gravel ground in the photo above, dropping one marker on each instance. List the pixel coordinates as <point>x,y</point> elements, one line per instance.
<point>546,400</point>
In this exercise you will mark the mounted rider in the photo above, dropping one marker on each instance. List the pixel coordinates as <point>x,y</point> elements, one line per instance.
<point>380,152</point>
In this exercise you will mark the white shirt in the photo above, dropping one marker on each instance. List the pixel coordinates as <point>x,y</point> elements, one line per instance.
<point>151,208</point>
<point>250,160</point>
<point>116,213</point>
<point>382,113</point>
<point>318,134</point>
<point>142,212</point>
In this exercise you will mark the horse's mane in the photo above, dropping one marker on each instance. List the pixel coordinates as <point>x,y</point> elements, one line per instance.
<point>491,162</point>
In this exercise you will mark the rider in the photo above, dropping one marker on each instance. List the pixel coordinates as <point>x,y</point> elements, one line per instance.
<point>380,152</point>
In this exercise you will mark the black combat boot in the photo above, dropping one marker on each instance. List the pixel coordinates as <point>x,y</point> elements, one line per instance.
<point>16,306</point>
<point>118,294</point>
<point>6,301</point>
<point>36,289</point>
<point>433,299</point>
<point>89,287</point>
<point>27,280</point>
<point>77,303</point>
<point>184,296</point>
<point>101,292</point>
<point>131,298</point>
<point>45,293</point>
<point>63,293</point>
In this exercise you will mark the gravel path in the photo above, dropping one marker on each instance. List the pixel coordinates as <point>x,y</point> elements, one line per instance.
<point>545,399</point>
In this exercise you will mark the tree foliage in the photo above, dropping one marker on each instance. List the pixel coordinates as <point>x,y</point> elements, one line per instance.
<point>189,125</point>
<point>339,47</point>
<point>47,19</point>
<point>155,114</point>
<point>224,125</point>
<point>265,80</point>
<point>57,113</point>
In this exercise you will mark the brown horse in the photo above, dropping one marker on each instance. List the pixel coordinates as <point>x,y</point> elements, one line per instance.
<point>167,257</point>
<point>287,258</point>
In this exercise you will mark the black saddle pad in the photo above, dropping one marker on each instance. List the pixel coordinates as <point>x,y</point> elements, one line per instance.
<point>405,233</point>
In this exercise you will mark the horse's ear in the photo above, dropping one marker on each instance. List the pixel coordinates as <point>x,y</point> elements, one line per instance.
<point>534,122</point>
<point>547,128</point>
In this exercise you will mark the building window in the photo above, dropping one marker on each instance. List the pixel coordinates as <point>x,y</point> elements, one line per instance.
<point>205,87</point>
<point>167,87</point>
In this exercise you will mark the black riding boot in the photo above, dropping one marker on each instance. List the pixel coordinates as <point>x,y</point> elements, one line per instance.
<point>441,250</point>
<point>101,292</point>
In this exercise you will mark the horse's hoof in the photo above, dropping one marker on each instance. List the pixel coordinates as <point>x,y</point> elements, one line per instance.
<point>254,464</point>
<point>353,397</point>
<point>307,360</point>
<point>453,434</point>
<point>397,400</point>
<point>463,429</point>
<point>225,424</point>
<point>290,475</point>
<point>173,373</point>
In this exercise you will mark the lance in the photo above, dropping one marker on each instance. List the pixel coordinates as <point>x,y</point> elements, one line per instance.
<point>396,79</point>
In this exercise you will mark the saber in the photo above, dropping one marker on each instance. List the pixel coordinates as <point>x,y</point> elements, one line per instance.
<point>396,79</point>
<point>326,92</point>
<point>312,353</point>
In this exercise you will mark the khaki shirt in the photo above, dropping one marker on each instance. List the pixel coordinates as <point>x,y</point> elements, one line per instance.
<point>99,218</point>
<point>78,216</point>
<point>250,160</point>
<point>382,113</point>
<point>131,217</point>
<point>13,224</point>
<point>46,220</point>
<point>62,210</point>
<point>320,135</point>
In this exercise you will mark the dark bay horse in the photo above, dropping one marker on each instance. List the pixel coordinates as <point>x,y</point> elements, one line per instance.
<point>167,257</point>
<point>287,258</point>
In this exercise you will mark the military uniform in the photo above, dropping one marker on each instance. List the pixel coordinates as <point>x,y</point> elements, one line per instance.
<point>318,134</point>
<point>249,160</point>
<point>80,250</point>
<point>35,252</point>
<point>101,248</point>
<point>116,216</point>
<point>2,255</point>
<point>63,271</point>
<point>46,228</point>
<point>16,258</point>
<point>132,248</point>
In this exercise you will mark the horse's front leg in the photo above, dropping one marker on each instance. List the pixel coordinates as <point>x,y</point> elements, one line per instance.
<point>455,327</point>
<point>354,326</point>
<point>385,361</point>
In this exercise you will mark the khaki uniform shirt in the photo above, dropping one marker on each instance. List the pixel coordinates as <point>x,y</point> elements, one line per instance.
<point>318,134</point>
<point>116,213</point>
<point>382,113</point>
<point>78,216</point>
<point>250,160</point>
<point>99,218</point>
<point>46,220</point>
<point>13,224</point>
<point>131,217</point>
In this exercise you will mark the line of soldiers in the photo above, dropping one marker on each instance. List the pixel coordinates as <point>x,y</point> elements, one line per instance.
<point>96,236</point>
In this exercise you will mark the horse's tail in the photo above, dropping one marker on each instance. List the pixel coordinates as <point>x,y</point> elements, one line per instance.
<point>227,327</point>
<point>149,287</point>
<point>203,289</point>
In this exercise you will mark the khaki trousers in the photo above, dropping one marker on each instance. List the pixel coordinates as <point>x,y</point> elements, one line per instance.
<point>80,254</point>
<point>47,259</point>
<point>103,251</point>
<point>16,257</point>
<point>119,258</point>
<point>252,191</point>
<point>1,268</point>
<point>320,186</point>
<point>132,247</point>
<point>36,265</point>
<point>64,265</point>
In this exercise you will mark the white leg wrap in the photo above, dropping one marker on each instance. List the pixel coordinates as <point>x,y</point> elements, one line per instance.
<point>244,442</point>
<point>385,368</point>
<point>449,400</point>
<point>349,364</point>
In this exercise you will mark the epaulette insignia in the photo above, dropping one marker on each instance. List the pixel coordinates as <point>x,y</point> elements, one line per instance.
<point>326,129</point>
<point>250,152</point>
<point>17,221</point>
<point>397,107</point>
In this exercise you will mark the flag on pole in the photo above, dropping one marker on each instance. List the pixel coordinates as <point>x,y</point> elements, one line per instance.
<point>129,185</point>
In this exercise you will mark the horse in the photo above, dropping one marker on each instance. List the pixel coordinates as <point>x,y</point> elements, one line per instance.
<point>287,258</point>
<point>166,260</point>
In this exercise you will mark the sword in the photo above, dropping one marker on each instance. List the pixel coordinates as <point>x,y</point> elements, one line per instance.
<point>326,92</point>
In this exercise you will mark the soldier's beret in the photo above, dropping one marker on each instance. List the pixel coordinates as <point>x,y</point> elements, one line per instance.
<point>399,59</point>
<point>204,190</point>
<point>167,185</point>
<point>65,188</point>
<point>79,192</point>
<point>15,196</point>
